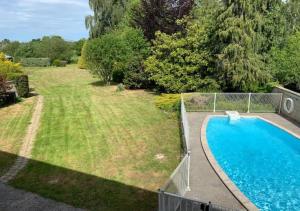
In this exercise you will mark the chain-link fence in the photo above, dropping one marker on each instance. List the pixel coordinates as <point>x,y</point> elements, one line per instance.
<point>242,102</point>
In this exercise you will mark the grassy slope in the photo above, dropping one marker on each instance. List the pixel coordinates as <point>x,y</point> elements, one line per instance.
<point>96,148</point>
<point>14,120</point>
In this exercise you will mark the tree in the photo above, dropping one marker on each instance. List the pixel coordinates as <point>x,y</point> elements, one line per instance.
<point>286,62</point>
<point>179,62</point>
<point>11,48</point>
<point>54,47</point>
<point>240,66</point>
<point>292,12</point>
<point>115,54</point>
<point>103,54</point>
<point>107,14</point>
<point>160,15</point>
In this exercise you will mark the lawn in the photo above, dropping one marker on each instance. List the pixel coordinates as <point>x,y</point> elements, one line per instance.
<point>97,148</point>
<point>14,120</point>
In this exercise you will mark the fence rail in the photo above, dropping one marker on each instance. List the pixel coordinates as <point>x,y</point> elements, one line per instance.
<point>242,102</point>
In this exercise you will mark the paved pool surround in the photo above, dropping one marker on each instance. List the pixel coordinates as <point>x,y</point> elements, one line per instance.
<point>205,182</point>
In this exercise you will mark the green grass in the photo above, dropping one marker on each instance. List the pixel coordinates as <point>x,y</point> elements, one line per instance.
<point>96,148</point>
<point>14,120</point>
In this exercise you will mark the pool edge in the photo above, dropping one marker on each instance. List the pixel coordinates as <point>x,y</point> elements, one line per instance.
<point>239,195</point>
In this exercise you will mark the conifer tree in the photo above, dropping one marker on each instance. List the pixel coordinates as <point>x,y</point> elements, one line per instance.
<point>239,65</point>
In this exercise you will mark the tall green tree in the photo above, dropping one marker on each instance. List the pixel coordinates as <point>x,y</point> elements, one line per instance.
<point>179,62</point>
<point>107,14</point>
<point>286,62</point>
<point>240,67</point>
<point>292,12</point>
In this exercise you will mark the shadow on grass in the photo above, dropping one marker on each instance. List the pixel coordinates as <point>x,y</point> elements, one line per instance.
<point>79,189</point>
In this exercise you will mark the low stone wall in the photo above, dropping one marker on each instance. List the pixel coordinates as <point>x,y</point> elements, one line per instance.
<point>295,115</point>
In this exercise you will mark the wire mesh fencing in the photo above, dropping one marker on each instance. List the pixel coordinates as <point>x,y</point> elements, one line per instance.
<point>185,126</point>
<point>178,182</point>
<point>241,102</point>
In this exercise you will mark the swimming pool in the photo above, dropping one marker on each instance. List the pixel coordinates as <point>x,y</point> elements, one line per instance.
<point>261,159</point>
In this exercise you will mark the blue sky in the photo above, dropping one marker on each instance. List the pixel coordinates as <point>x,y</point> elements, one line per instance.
<point>24,20</point>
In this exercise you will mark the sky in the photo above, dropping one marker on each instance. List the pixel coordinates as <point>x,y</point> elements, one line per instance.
<point>24,20</point>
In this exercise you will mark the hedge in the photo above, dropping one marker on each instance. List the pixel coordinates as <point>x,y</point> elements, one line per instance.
<point>21,82</point>
<point>59,63</point>
<point>22,85</point>
<point>35,62</point>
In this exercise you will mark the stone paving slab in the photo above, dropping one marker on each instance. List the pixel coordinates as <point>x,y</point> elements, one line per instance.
<point>204,183</point>
<point>12,199</point>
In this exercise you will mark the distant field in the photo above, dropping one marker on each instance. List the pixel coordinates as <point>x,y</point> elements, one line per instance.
<point>14,120</point>
<point>98,149</point>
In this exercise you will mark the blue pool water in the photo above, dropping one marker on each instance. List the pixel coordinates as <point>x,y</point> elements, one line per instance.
<point>261,159</point>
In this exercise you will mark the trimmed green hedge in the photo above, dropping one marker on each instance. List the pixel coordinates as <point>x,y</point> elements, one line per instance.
<point>22,85</point>
<point>59,63</point>
<point>21,82</point>
<point>35,62</point>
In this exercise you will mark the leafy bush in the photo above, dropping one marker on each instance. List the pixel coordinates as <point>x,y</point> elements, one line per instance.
<point>81,63</point>
<point>120,88</point>
<point>12,71</point>
<point>81,60</point>
<point>179,62</point>
<point>114,54</point>
<point>8,68</point>
<point>59,63</point>
<point>35,62</point>
<point>168,102</point>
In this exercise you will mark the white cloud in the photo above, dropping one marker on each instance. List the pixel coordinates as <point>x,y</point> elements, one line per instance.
<point>33,18</point>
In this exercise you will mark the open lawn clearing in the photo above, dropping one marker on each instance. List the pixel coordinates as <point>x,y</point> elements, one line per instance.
<point>98,149</point>
<point>14,121</point>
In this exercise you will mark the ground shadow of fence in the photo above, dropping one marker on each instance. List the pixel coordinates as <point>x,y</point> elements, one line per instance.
<point>79,189</point>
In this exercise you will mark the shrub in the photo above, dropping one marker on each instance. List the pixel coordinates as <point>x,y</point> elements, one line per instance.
<point>12,71</point>
<point>168,102</point>
<point>116,53</point>
<point>179,63</point>
<point>59,63</point>
<point>8,68</point>
<point>35,62</point>
<point>22,85</point>
<point>120,88</point>
<point>81,63</point>
<point>81,60</point>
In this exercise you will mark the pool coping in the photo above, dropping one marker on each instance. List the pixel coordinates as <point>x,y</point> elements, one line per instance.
<point>239,195</point>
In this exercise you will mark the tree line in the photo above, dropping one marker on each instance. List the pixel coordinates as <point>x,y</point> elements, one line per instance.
<point>52,47</point>
<point>195,45</point>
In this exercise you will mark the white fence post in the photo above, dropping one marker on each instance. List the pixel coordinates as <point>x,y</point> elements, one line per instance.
<point>280,105</point>
<point>189,166</point>
<point>215,100</point>
<point>249,103</point>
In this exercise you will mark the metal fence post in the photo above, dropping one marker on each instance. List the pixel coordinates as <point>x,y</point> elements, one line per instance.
<point>249,103</point>
<point>215,100</point>
<point>188,173</point>
<point>280,104</point>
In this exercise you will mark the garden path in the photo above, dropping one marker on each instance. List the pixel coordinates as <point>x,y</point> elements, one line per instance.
<point>28,142</point>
